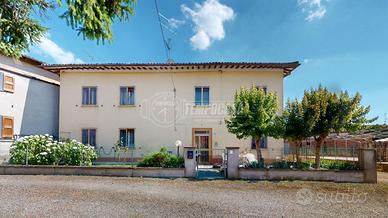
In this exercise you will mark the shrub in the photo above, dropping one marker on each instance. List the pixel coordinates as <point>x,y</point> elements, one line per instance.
<point>44,150</point>
<point>290,165</point>
<point>162,159</point>
<point>279,165</point>
<point>255,165</point>
<point>338,165</point>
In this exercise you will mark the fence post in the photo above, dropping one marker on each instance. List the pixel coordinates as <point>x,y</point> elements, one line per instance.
<point>233,162</point>
<point>367,161</point>
<point>26,153</point>
<point>189,154</point>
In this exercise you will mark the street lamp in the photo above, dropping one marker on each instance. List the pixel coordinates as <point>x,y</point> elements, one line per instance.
<point>178,144</point>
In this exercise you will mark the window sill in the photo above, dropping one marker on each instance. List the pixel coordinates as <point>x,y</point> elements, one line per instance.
<point>201,106</point>
<point>89,105</point>
<point>127,105</point>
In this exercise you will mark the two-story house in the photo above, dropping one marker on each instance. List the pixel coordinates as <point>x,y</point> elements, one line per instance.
<point>147,106</point>
<point>29,100</point>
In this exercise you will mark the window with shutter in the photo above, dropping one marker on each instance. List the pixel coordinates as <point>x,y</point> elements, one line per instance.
<point>89,137</point>
<point>7,127</point>
<point>89,95</point>
<point>263,143</point>
<point>9,83</point>
<point>127,137</point>
<point>202,95</point>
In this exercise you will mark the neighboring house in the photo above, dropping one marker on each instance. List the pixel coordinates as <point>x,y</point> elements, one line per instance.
<point>29,101</point>
<point>147,106</point>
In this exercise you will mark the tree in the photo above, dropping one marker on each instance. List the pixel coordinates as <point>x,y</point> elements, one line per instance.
<point>293,125</point>
<point>91,18</point>
<point>332,113</point>
<point>252,115</point>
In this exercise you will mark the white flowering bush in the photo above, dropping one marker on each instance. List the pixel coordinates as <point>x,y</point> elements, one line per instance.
<point>44,150</point>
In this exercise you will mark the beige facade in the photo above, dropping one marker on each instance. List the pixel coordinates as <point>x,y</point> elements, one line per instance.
<point>164,109</point>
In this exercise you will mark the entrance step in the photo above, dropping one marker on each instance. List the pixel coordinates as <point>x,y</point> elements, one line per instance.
<point>206,174</point>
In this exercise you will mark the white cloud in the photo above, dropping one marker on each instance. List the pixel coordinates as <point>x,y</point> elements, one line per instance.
<point>208,20</point>
<point>315,9</point>
<point>174,23</point>
<point>49,48</point>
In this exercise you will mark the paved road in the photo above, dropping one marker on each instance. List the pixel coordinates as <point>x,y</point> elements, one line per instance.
<point>81,196</point>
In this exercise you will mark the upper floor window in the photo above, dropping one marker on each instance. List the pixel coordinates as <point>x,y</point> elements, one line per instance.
<point>89,137</point>
<point>89,95</point>
<point>202,95</point>
<point>127,95</point>
<point>127,137</point>
<point>7,83</point>
<point>265,89</point>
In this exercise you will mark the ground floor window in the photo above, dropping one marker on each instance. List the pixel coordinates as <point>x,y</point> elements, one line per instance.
<point>263,143</point>
<point>7,127</point>
<point>127,137</point>
<point>89,137</point>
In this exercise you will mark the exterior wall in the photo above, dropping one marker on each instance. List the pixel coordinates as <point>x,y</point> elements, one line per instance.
<point>153,113</point>
<point>34,104</point>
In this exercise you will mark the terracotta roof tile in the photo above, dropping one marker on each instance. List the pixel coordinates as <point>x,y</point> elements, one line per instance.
<point>287,67</point>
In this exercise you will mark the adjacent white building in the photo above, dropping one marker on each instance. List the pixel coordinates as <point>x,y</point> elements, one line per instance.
<point>29,101</point>
<point>147,106</point>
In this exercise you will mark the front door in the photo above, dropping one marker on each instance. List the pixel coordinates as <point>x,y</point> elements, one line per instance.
<point>203,142</point>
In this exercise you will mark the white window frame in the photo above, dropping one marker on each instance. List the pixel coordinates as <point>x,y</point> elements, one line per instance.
<point>202,98</point>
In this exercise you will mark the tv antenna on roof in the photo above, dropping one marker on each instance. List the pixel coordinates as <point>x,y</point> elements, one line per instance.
<point>165,24</point>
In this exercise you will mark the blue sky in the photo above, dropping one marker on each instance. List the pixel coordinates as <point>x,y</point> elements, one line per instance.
<point>342,44</point>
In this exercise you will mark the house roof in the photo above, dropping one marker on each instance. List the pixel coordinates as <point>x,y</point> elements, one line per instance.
<point>286,67</point>
<point>31,61</point>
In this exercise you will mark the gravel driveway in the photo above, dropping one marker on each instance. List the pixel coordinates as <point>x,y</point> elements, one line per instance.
<point>82,196</point>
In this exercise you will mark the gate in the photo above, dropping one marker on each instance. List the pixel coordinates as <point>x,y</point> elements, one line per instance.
<point>211,163</point>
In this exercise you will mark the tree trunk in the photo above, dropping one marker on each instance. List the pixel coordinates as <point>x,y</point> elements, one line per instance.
<point>258,150</point>
<point>297,148</point>
<point>318,144</point>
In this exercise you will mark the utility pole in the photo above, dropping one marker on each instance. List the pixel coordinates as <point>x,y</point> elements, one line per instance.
<point>385,118</point>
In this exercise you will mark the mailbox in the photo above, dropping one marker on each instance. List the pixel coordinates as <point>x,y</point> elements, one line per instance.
<point>190,154</point>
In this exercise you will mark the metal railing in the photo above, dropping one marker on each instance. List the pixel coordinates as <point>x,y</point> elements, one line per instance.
<point>331,153</point>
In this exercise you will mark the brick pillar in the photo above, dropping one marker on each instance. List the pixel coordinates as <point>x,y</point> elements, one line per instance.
<point>367,160</point>
<point>190,161</point>
<point>233,162</point>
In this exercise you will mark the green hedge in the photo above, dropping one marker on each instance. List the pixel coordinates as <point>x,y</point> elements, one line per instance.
<point>44,150</point>
<point>325,164</point>
<point>162,159</point>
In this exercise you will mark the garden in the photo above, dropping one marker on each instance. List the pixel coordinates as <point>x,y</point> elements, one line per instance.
<point>319,114</point>
<point>44,150</point>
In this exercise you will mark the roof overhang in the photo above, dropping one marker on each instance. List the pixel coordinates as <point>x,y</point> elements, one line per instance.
<point>109,67</point>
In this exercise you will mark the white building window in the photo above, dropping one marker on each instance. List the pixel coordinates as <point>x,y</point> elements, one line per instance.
<point>89,137</point>
<point>127,95</point>
<point>127,137</point>
<point>89,95</point>
<point>202,95</point>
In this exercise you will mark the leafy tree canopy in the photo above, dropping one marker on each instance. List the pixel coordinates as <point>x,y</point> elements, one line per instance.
<point>331,112</point>
<point>91,18</point>
<point>252,115</point>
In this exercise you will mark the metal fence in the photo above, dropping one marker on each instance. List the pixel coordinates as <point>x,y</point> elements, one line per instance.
<point>349,153</point>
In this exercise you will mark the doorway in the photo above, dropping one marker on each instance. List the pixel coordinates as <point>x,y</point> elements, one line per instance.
<point>202,140</point>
